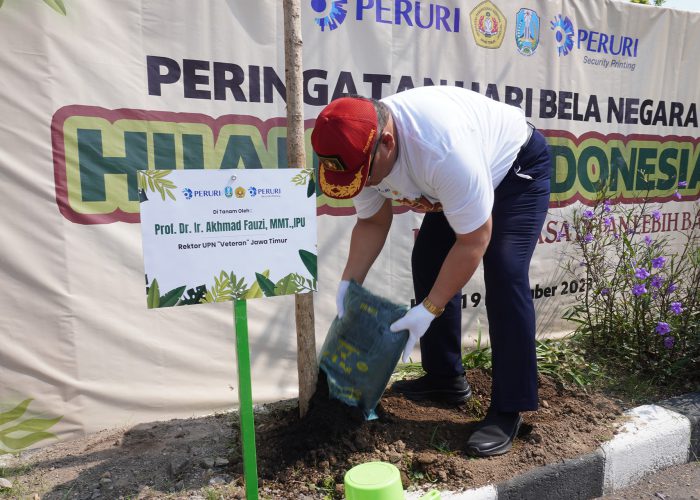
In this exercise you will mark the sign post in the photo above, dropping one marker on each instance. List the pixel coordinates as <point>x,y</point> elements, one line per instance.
<point>229,235</point>
<point>245,400</point>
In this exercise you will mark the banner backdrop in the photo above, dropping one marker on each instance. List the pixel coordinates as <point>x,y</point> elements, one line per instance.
<point>94,94</point>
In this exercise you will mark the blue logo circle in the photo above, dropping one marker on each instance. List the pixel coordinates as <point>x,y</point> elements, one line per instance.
<point>252,191</point>
<point>330,13</point>
<point>563,34</point>
<point>188,193</point>
<point>228,191</point>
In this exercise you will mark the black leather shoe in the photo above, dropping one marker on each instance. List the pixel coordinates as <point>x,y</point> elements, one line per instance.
<point>494,435</point>
<point>452,390</point>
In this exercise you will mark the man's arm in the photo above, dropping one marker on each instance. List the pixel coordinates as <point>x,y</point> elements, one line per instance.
<point>367,240</point>
<point>460,264</point>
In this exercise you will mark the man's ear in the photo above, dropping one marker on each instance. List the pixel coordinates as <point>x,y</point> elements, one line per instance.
<point>387,139</point>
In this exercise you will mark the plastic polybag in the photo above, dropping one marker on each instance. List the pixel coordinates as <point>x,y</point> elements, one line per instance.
<point>360,352</point>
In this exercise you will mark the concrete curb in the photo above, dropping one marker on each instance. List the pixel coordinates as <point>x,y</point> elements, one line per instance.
<point>656,436</point>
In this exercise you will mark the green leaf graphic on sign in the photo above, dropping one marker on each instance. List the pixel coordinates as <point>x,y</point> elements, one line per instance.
<point>238,288</point>
<point>255,291</point>
<point>1,2</point>
<point>23,442</point>
<point>267,286</point>
<point>56,5</point>
<point>221,291</point>
<point>171,298</point>
<point>287,285</point>
<point>155,181</point>
<point>26,432</point>
<point>310,262</point>
<point>153,295</point>
<point>311,188</point>
<point>31,425</point>
<point>15,412</point>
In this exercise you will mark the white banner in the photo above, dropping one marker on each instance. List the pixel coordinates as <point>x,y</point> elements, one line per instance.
<point>111,88</point>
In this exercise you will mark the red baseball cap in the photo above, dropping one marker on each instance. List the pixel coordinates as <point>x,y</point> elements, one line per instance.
<point>343,137</point>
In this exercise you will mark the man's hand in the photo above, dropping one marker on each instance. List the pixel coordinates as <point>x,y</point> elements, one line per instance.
<point>416,321</point>
<point>340,297</point>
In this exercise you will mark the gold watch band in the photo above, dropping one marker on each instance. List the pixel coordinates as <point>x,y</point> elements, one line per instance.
<point>432,308</point>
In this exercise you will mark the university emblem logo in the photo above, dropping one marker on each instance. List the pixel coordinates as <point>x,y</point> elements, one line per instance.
<point>488,25</point>
<point>527,31</point>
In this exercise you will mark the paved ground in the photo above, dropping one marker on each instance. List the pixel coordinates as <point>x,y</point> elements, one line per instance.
<point>681,482</point>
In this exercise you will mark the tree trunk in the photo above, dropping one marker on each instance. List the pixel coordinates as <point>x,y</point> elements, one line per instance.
<point>307,366</point>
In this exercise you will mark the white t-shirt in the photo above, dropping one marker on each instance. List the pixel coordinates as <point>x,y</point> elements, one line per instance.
<point>455,147</point>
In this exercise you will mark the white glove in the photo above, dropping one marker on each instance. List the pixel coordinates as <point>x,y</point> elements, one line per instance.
<point>416,321</point>
<point>340,297</point>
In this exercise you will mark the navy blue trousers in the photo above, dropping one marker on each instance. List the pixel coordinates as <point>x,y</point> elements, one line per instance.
<point>519,210</point>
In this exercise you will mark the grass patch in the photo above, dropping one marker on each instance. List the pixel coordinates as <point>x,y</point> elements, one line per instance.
<point>559,359</point>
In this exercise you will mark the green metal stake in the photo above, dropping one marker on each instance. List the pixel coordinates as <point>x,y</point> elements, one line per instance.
<point>245,400</point>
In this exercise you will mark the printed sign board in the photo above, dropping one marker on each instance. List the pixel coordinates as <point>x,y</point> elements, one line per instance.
<point>220,235</point>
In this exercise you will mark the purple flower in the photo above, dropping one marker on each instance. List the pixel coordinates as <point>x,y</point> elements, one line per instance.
<point>656,215</point>
<point>668,342</point>
<point>648,240</point>
<point>616,236</point>
<point>608,221</point>
<point>676,307</point>
<point>604,291</point>
<point>677,195</point>
<point>641,273</point>
<point>672,288</point>
<point>638,290</point>
<point>630,231</point>
<point>588,214</point>
<point>658,262</point>
<point>606,206</point>
<point>656,281</point>
<point>588,238</point>
<point>682,184</point>
<point>662,328</point>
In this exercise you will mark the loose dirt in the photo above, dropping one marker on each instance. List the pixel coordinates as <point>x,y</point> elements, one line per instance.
<point>307,458</point>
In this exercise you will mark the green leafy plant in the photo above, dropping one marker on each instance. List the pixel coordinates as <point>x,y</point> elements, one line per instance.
<point>638,312</point>
<point>155,181</point>
<point>480,356</point>
<point>439,444</point>
<point>658,3</point>
<point>559,359</point>
<point>17,432</point>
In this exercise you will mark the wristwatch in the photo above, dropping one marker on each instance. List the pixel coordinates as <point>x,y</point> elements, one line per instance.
<point>432,308</point>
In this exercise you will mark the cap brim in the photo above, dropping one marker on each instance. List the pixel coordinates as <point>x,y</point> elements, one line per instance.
<point>342,185</point>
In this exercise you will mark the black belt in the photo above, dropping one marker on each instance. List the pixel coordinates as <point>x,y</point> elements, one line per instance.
<point>530,130</point>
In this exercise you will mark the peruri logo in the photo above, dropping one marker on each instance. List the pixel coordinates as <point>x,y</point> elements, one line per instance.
<point>329,13</point>
<point>563,34</point>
